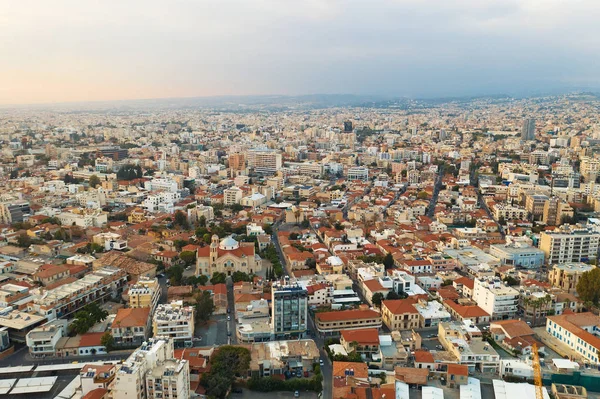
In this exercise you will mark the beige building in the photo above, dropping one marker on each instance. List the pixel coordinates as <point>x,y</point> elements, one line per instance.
<point>144,294</point>
<point>569,244</point>
<point>174,321</point>
<point>400,314</point>
<point>333,322</point>
<point>566,275</point>
<point>227,256</point>
<point>555,210</point>
<point>232,195</point>
<point>534,204</point>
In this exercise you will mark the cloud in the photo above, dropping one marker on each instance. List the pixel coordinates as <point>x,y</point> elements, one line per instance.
<point>74,50</point>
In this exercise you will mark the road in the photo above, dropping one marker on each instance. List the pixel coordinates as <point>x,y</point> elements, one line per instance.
<point>474,182</point>
<point>327,368</point>
<point>231,328</point>
<point>436,191</point>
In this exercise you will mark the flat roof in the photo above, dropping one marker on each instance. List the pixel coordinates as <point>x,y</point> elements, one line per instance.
<point>472,390</point>
<point>6,385</point>
<point>510,390</point>
<point>402,391</point>
<point>33,385</point>
<point>428,392</point>
<point>56,367</point>
<point>15,369</point>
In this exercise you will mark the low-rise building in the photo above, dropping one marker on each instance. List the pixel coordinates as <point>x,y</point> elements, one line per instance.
<point>42,340</point>
<point>467,346</point>
<point>578,331</point>
<point>144,294</point>
<point>278,357</point>
<point>518,254</point>
<point>400,314</point>
<point>131,326</point>
<point>566,275</point>
<point>331,323</point>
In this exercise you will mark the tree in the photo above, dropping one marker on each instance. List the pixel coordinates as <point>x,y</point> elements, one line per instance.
<point>108,341</point>
<point>94,181</point>
<point>181,220</point>
<point>509,280</point>
<point>377,298</point>
<point>23,240</point>
<point>204,306</point>
<point>175,273</point>
<point>588,287</point>
<point>202,221</point>
<point>392,295</point>
<point>268,229</point>
<point>388,261</point>
<point>218,278</point>
<point>422,195</point>
<point>240,276</point>
<point>311,263</point>
<point>189,257</point>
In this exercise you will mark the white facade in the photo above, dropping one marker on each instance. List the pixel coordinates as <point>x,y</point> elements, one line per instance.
<point>496,298</point>
<point>174,321</point>
<point>167,185</point>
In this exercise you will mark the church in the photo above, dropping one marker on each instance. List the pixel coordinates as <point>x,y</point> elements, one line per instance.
<point>227,256</point>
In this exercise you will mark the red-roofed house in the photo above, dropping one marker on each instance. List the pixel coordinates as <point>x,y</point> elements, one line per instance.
<point>319,294</point>
<point>472,313</point>
<point>372,287</point>
<point>464,285</point>
<point>364,341</point>
<point>400,314</point>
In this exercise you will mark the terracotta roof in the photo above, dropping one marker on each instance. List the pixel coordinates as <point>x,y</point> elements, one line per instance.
<point>466,311</point>
<point>400,306</point>
<point>514,328</point>
<point>374,285</point>
<point>51,271</point>
<point>458,369</point>
<point>347,315</point>
<point>131,317</point>
<point>360,369</point>
<point>91,339</point>
<point>412,376</point>
<point>424,357</point>
<point>98,393</point>
<point>365,336</point>
<point>124,262</point>
<point>465,281</point>
<point>574,322</point>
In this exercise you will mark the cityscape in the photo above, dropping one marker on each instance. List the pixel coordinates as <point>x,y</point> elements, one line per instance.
<point>319,199</point>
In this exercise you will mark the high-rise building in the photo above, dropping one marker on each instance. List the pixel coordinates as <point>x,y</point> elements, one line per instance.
<point>237,161</point>
<point>569,244</point>
<point>264,161</point>
<point>528,130</point>
<point>13,212</point>
<point>153,372</point>
<point>589,168</point>
<point>555,210</point>
<point>290,306</point>
<point>347,127</point>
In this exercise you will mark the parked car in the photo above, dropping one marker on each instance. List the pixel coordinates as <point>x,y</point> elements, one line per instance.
<point>228,318</point>
<point>237,390</point>
<point>321,363</point>
<point>296,394</point>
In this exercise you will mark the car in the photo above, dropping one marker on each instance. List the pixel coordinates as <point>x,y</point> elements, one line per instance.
<point>321,362</point>
<point>228,310</point>
<point>237,390</point>
<point>439,347</point>
<point>229,333</point>
<point>228,318</point>
<point>296,394</point>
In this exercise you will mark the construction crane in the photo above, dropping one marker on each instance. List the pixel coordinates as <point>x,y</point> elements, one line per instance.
<point>537,373</point>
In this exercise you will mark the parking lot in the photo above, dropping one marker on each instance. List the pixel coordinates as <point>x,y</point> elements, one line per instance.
<point>214,332</point>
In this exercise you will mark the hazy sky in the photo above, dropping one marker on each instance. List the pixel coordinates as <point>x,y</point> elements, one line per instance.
<point>58,50</point>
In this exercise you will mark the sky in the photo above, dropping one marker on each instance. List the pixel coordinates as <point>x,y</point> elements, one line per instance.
<point>64,50</point>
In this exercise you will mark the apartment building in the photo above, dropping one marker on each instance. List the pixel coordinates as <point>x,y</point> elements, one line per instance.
<point>174,321</point>
<point>144,294</point>
<point>232,195</point>
<point>331,323</point>
<point>496,298</point>
<point>566,275</point>
<point>569,244</point>
<point>578,331</point>
<point>161,184</point>
<point>290,310</point>
<point>97,286</point>
<point>13,212</point>
<point>358,173</point>
<point>264,161</point>
<point>555,210</point>
<point>508,212</point>
<point>589,168</point>
<point>141,375</point>
<point>534,204</point>
<point>466,345</point>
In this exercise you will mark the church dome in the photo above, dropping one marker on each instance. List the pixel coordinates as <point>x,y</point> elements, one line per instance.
<point>228,244</point>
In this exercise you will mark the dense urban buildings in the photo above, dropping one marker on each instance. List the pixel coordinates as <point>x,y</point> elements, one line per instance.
<point>410,237</point>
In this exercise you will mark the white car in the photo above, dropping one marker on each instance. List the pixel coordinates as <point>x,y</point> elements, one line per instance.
<point>228,318</point>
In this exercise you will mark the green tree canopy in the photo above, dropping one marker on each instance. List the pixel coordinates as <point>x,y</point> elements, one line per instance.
<point>588,287</point>
<point>377,298</point>
<point>204,306</point>
<point>189,257</point>
<point>94,181</point>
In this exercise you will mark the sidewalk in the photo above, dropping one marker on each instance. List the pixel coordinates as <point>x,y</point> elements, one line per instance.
<point>556,346</point>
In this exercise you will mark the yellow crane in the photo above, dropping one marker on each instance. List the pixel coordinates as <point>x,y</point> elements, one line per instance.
<point>537,373</point>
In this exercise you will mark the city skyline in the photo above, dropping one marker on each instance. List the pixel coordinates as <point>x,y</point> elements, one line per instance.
<point>72,52</point>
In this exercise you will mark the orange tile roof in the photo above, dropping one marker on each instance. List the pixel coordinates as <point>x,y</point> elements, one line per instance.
<point>514,328</point>
<point>458,369</point>
<point>131,317</point>
<point>91,339</point>
<point>467,282</point>
<point>424,357</point>
<point>365,336</point>
<point>400,306</point>
<point>466,311</point>
<point>374,285</point>
<point>412,376</point>
<point>360,369</point>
